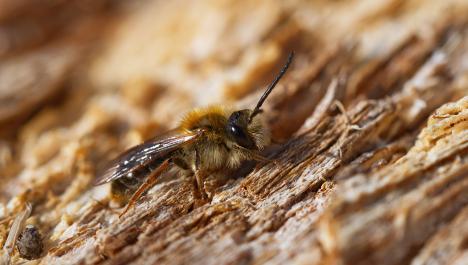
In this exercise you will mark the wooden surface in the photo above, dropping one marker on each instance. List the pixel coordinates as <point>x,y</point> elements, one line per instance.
<point>383,180</point>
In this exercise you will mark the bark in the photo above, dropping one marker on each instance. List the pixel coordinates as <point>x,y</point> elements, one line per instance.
<point>370,161</point>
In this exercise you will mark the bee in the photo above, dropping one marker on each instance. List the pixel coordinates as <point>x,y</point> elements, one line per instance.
<point>207,140</point>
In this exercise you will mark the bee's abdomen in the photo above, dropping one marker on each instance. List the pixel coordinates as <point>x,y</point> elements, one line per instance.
<point>123,188</point>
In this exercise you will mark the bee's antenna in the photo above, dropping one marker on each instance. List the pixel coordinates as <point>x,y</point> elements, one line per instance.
<point>257,109</point>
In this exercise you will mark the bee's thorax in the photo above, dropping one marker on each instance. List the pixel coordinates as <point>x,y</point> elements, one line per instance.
<point>217,149</point>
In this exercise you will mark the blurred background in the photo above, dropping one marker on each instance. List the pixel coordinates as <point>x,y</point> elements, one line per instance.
<point>118,72</point>
<point>196,52</point>
<point>124,71</point>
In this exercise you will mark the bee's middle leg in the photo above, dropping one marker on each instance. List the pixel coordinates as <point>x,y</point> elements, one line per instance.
<point>200,177</point>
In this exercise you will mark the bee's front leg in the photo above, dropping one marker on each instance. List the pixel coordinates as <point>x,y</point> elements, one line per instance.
<point>262,159</point>
<point>257,157</point>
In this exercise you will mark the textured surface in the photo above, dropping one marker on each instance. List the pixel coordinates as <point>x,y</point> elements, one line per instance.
<point>383,180</point>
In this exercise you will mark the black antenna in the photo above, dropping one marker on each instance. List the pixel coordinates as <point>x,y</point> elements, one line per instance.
<point>257,109</point>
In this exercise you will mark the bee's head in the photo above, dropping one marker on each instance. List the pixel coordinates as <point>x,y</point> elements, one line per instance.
<point>245,127</point>
<point>250,134</point>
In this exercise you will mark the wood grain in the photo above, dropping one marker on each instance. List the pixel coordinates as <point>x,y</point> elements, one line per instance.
<point>370,129</point>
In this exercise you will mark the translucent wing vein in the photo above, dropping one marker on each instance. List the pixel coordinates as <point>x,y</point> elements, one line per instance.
<point>142,154</point>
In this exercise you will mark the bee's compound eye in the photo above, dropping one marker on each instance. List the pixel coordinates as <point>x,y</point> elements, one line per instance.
<point>237,128</point>
<point>240,136</point>
<point>236,131</point>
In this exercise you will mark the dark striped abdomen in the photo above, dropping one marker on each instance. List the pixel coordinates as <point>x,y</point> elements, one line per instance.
<point>123,188</point>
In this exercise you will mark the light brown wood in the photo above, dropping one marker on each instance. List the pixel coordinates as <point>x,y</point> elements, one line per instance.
<point>369,163</point>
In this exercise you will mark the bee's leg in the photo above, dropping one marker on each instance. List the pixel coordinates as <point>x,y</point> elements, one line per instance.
<point>196,186</point>
<point>150,181</point>
<point>257,157</point>
<point>260,158</point>
<point>200,196</point>
<point>200,176</point>
<point>200,179</point>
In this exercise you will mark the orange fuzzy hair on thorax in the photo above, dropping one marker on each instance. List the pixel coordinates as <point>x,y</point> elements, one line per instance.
<point>214,116</point>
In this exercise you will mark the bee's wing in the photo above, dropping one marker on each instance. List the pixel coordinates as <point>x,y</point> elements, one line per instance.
<point>142,154</point>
